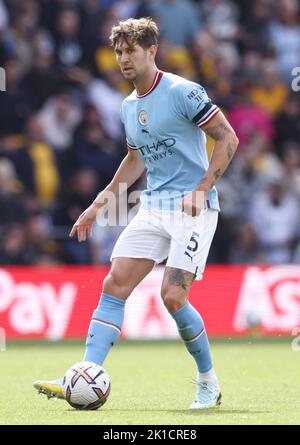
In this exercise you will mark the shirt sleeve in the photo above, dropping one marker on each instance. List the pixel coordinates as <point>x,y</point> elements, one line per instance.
<point>193,103</point>
<point>130,143</point>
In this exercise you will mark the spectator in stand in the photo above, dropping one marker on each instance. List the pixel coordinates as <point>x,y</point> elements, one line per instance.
<point>3,16</point>
<point>270,93</point>
<point>245,246</point>
<point>42,80</point>
<point>221,18</point>
<point>143,9</point>
<point>58,118</point>
<point>38,239</point>
<point>12,205</point>
<point>274,216</point>
<point>68,40</point>
<point>42,42</point>
<point>122,9</point>
<point>16,104</point>
<point>36,165</point>
<point>287,123</point>
<point>216,63</point>
<point>107,99</point>
<point>13,249</point>
<point>178,20</point>
<point>51,10</point>
<point>254,30</point>
<point>93,22</point>
<point>179,61</point>
<point>203,50</point>
<point>220,250</point>
<point>249,174</point>
<point>102,56</point>
<point>229,219</point>
<point>285,37</point>
<point>95,151</point>
<point>266,162</point>
<point>247,118</point>
<point>24,21</point>
<point>83,187</point>
<point>291,165</point>
<point>250,72</point>
<point>89,116</point>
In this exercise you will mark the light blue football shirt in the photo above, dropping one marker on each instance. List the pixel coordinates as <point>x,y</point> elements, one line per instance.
<point>164,126</point>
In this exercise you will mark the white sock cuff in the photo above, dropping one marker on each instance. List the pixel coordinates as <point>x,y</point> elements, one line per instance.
<point>209,376</point>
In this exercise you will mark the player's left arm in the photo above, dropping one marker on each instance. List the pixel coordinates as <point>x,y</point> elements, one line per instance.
<point>226,143</point>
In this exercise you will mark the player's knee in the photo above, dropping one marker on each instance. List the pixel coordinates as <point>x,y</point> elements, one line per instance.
<point>173,300</point>
<point>115,284</point>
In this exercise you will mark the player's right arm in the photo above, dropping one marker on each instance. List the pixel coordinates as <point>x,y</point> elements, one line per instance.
<point>129,171</point>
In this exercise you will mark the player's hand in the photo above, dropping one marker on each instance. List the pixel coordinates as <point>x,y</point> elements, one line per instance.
<point>193,203</point>
<point>84,223</point>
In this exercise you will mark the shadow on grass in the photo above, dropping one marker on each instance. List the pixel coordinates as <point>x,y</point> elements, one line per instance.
<point>208,411</point>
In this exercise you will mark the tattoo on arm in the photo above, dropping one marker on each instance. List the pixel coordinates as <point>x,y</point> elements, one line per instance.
<point>217,132</point>
<point>230,151</point>
<point>180,278</point>
<point>217,174</point>
<point>224,134</point>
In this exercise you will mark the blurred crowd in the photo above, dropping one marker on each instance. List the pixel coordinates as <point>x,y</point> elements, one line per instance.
<point>61,139</point>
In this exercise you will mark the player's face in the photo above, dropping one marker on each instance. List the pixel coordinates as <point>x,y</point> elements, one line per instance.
<point>133,60</point>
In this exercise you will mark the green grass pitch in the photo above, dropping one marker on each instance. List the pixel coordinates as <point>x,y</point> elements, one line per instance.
<point>151,384</point>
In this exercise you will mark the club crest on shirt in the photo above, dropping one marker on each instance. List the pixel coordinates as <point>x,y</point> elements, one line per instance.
<point>143,118</point>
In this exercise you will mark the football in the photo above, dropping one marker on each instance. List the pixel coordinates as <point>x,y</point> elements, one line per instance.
<point>86,386</point>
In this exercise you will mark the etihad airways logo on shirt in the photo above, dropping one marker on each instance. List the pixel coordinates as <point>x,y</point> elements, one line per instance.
<point>158,149</point>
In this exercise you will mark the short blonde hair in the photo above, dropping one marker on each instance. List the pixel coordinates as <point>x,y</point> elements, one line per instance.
<point>143,31</point>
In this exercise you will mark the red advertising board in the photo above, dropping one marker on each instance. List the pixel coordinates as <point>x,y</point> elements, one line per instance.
<point>57,302</point>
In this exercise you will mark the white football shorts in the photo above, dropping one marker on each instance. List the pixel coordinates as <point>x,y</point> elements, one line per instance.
<point>157,235</point>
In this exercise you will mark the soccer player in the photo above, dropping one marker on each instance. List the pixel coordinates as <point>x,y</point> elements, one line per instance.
<point>166,119</point>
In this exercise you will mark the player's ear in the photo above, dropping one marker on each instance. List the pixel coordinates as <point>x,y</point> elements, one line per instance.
<point>152,51</point>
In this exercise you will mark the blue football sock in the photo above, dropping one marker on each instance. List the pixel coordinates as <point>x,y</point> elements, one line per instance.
<point>105,328</point>
<point>192,331</point>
